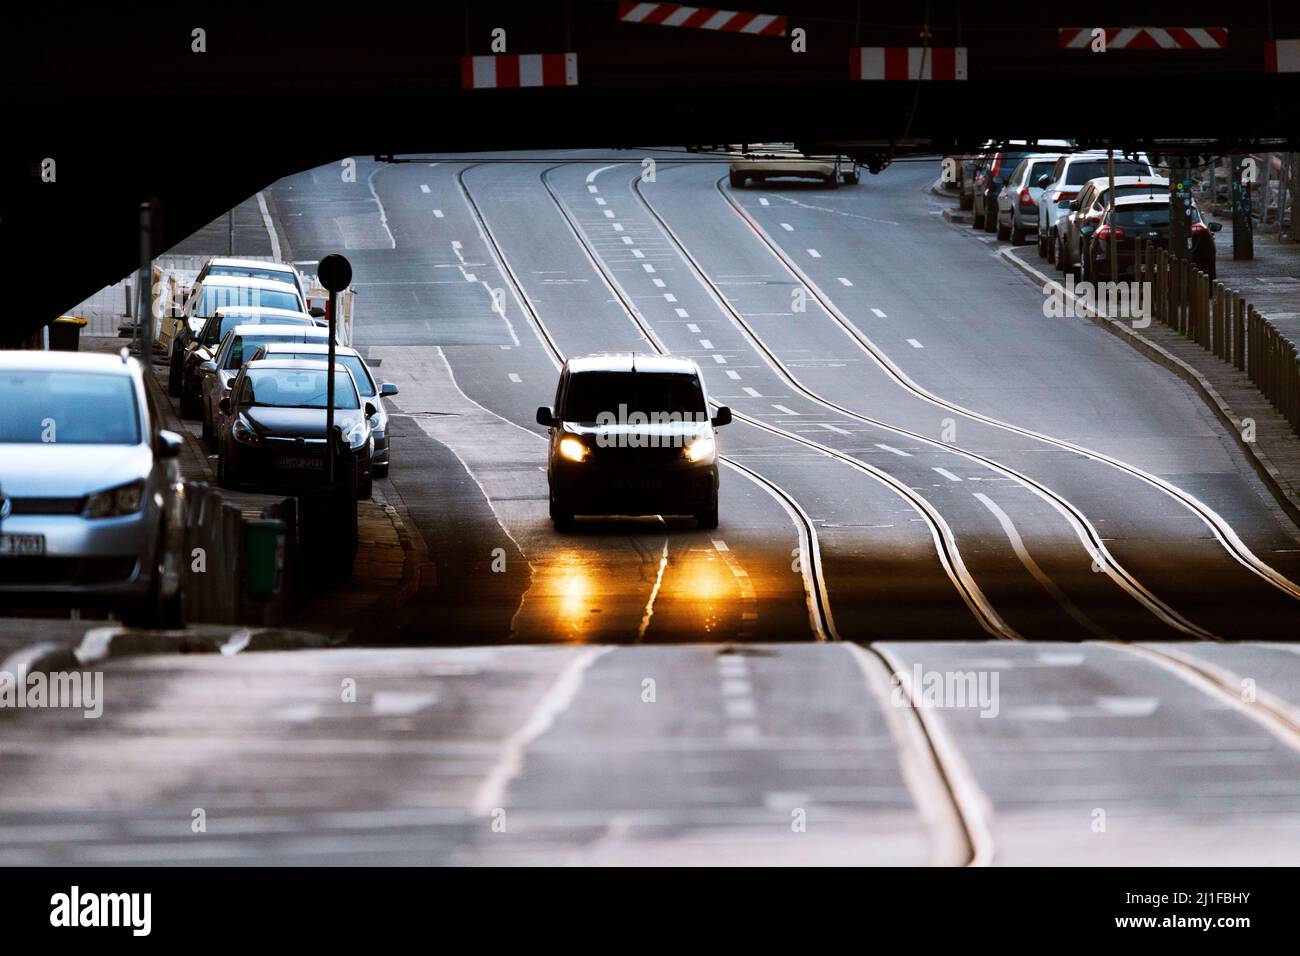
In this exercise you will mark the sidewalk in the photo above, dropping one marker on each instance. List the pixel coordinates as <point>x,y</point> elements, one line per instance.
<point>385,573</point>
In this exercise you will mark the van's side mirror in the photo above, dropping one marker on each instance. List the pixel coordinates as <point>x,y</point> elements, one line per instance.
<point>316,312</point>
<point>723,417</point>
<point>1045,180</point>
<point>388,390</point>
<point>545,416</point>
<point>208,366</point>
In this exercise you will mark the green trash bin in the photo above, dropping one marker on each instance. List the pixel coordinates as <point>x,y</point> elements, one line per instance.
<point>65,333</point>
<point>263,558</point>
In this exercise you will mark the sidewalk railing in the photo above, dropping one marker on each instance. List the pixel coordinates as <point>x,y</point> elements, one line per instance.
<point>1220,320</point>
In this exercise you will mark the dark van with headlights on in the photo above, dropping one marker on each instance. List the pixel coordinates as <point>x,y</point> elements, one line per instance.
<point>632,435</point>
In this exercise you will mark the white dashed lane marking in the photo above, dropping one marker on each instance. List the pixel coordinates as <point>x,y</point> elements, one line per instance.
<point>915,344</point>
<point>878,314</point>
<point>844,281</point>
<point>947,474</point>
<point>514,377</point>
<point>787,227</point>
<point>423,188</point>
<point>785,411</point>
<point>891,449</point>
<point>814,253</point>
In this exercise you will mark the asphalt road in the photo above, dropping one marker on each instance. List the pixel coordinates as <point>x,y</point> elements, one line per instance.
<point>988,587</point>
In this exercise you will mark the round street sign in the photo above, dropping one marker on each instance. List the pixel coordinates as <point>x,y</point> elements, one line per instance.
<point>334,272</point>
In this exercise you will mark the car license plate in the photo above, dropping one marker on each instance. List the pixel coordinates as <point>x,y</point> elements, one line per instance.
<point>21,545</point>
<point>301,464</point>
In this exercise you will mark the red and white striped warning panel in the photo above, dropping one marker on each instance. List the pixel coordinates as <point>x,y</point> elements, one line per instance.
<point>702,18</point>
<point>1146,38</point>
<point>509,70</point>
<point>907,63</point>
<point>1282,56</point>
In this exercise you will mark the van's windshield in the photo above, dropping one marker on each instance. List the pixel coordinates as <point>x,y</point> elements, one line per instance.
<point>592,394</point>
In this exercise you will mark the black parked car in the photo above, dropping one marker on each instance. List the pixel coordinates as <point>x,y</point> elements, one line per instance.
<point>274,438</point>
<point>1139,217</point>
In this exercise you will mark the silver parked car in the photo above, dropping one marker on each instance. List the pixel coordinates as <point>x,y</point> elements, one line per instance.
<point>91,500</point>
<point>1018,200</point>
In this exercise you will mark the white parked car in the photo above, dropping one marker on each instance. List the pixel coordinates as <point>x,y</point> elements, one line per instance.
<point>779,160</point>
<point>1063,183</point>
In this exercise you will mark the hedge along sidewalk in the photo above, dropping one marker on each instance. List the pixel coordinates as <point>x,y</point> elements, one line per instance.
<point>1275,451</point>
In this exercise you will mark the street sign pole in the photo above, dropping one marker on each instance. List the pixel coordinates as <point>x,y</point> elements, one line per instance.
<point>334,272</point>
<point>1112,242</point>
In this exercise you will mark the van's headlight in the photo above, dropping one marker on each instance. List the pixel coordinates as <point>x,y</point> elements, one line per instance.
<point>115,502</point>
<point>573,449</point>
<point>700,449</point>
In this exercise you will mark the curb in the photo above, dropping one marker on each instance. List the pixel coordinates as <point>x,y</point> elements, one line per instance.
<point>1258,459</point>
<point>958,216</point>
<point>112,642</point>
<point>386,607</point>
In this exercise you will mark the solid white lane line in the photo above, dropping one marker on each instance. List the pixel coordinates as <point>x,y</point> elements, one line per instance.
<point>423,188</point>
<point>591,176</point>
<point>1036,572</point>
<point>491,792</point>
<point>654,593</point>
<point>878,313</point>
<point>844,281</point>
<point>270,227</point>
<point>915,344</point>
<point>947,474</point>
<point>383,216</point>
<point>896,451</point>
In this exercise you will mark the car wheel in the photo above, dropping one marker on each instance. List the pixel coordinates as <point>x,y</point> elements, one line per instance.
<point>174,375</point>
<point>379,471</point>
<point>1017,234</point>
<point>223,478</point>
<point>563,520</point>
<point>1051,248</point>
<point>209,440</point>
<point>709,518</point>
<point>1042,245</point>
<point>1004,232</point>
<point>832,180</point>
<point>737,180</point>
<point>366,489</point>
<point>990,217</point>
<point>851,178</point>
<point>977,220</point>
<point>191,406</point>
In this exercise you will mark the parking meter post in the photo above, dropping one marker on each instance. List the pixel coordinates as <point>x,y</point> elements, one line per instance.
<point>1112,243</point>
<point>1243,234</point>
<point>329,387</point>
